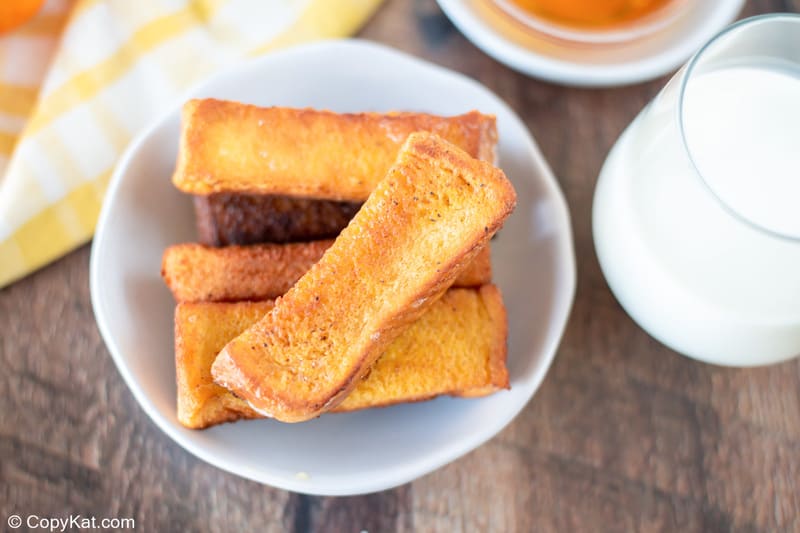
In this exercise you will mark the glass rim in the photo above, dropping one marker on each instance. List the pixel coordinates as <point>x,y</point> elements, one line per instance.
<point>688,70</point>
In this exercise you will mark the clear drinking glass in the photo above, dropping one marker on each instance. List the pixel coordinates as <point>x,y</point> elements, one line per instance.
<point>696,213</point>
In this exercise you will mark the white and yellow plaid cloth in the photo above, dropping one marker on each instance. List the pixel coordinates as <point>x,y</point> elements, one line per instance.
<point>84,76</point>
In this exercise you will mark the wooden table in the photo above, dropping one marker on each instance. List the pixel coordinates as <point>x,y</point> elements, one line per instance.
<point>623,435</point>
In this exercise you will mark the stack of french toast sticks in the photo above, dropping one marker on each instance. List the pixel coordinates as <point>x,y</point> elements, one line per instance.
<point>343,261</point>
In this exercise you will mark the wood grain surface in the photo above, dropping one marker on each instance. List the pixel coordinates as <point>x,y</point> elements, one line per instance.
<point>624,434</point>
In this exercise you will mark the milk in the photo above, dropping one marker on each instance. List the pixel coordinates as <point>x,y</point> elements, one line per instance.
<point>742,127</point>
<point>688,245</point>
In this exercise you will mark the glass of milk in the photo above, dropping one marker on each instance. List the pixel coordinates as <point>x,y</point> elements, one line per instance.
<point>696,214</point>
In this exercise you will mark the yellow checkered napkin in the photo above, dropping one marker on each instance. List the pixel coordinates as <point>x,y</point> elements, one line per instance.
<point>83,77</point>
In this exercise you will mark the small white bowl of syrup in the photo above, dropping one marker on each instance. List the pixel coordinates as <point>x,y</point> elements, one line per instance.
<point>591,43</point>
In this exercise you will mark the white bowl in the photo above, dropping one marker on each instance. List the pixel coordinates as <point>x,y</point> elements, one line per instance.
<point>590,65</point>
<point>335,454</point>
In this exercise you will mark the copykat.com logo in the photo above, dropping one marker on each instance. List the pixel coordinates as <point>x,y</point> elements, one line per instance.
<point>71,523</point>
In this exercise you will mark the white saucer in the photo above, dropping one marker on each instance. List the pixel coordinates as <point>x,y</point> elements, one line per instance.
<point>350,453</point>
<point>590,65</point>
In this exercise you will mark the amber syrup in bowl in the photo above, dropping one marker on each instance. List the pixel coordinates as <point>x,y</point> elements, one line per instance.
<point>593,21</point>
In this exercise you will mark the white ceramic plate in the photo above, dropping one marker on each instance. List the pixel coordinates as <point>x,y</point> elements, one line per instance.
<point>340,453</point>
<point>590,65</point>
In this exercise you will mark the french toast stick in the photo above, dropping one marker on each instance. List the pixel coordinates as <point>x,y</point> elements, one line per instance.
<point>231,218</point>
<point>197,273</point>
<point>421,226</point>
<point>231,147</point>
<point>458,348</point>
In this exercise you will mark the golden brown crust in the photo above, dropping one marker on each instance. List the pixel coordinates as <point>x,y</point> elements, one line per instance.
<point>493,300</point>
<point>197,273</point>
<point>452,349</point>
<point>233,147</point>
<point>417,231</point>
